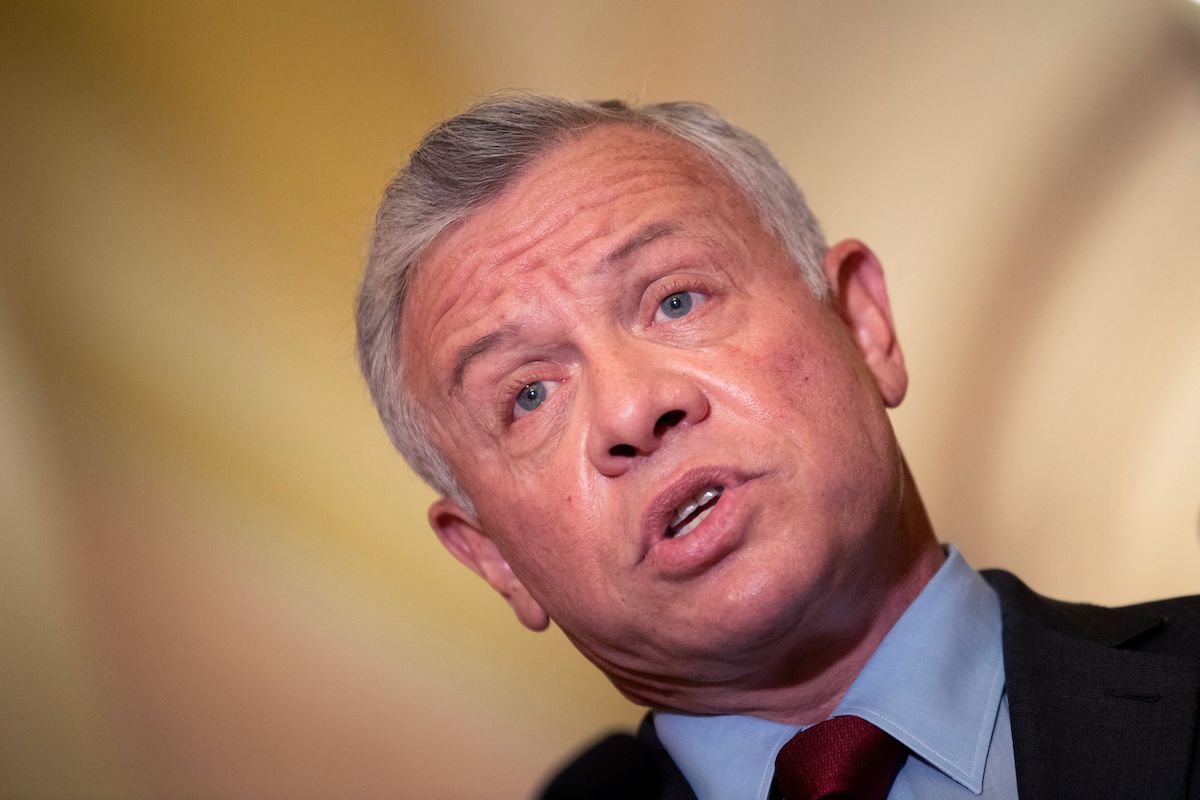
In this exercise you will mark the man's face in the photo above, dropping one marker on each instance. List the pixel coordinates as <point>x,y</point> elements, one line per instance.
<point>674,449</point>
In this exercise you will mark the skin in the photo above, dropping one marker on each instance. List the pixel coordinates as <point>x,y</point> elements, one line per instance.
<point>773,604</point>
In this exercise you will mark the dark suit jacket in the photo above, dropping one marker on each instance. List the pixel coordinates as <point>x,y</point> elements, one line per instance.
<point>1104,703</point>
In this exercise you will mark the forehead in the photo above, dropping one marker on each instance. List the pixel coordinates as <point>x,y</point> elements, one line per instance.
<point>553,226</point>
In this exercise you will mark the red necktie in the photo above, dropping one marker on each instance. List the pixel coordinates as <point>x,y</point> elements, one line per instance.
<point>843,757</point>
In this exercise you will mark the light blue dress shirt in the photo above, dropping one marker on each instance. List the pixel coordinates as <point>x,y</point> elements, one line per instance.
<point>936,683</point>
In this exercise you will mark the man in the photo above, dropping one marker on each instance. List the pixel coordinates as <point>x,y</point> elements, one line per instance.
<point>654,404</point>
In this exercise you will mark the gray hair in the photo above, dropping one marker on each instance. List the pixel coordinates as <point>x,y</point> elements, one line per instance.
<point>468,160</point>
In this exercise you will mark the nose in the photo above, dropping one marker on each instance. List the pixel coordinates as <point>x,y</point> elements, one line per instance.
<point>637,402</point>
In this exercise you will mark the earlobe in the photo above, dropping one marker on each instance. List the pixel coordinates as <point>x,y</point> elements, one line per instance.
<point>461,534</point>
<point>860,298</point>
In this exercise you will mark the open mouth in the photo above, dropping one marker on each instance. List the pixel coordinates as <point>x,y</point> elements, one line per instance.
<point>691,512</point>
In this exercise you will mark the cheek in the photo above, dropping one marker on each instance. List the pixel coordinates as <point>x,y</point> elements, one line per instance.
<point>790,373</point>
<point>820,373</point>
<point>807,384</point>
<point>550,540</point>
<point>775,378</point>
<point>546,512</point>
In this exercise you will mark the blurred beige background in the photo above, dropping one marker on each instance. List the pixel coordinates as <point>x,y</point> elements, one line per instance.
<point>215,576</point>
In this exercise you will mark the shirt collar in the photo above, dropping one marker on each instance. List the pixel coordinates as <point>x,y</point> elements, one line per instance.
<point>935,680</point>
<point>934,683</point>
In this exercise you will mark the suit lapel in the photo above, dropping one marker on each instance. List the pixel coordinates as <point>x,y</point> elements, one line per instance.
<point>672,786</point>
<point>1091,715</point>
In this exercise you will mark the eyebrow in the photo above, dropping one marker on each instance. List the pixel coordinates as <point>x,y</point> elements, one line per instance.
<point>474,350</point>
<point>477,348</point>
<point>639,240</point>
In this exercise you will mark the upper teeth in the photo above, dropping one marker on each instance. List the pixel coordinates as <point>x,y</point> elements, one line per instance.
<point>688,507</point>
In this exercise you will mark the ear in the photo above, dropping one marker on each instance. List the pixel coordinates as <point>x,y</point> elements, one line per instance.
<point>461,534</point>
<point>860,298</point>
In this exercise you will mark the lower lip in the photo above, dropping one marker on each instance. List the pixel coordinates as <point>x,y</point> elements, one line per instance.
<point>713,539</point>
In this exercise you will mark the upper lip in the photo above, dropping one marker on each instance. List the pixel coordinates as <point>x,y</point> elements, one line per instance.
<point>661,509</point>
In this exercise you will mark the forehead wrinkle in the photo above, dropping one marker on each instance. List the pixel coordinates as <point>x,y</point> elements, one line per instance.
<point>495,258</point>
<point>502,240</point>
<point>482,256</point>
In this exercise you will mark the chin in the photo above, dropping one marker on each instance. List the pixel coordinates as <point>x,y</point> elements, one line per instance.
<point>757,621</point>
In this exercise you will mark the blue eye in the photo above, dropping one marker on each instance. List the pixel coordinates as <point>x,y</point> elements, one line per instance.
<point>676,305</point>
<point>531,396</point>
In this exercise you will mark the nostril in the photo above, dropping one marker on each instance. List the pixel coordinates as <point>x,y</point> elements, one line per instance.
<point>627,450</point>
<point>667,421</point>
